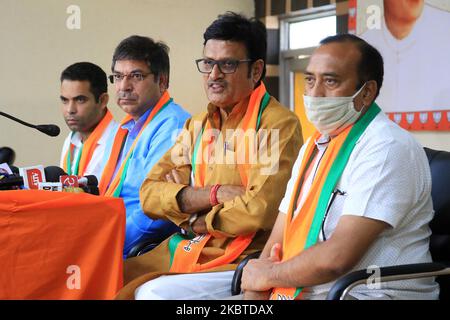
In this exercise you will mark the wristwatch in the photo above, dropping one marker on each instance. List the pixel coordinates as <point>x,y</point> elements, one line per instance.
<point>191,221</point>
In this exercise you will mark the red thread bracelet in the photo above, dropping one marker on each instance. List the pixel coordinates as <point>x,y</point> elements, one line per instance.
<point>213,195</point>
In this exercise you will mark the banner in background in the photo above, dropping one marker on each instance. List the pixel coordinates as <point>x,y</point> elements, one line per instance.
<point>412,38</point>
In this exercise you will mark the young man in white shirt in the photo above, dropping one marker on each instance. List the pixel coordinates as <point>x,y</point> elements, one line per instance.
<point>84,99</point>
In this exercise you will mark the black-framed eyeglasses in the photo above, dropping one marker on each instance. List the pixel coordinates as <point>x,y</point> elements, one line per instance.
<point>225,66</point>
<point>134,77</point>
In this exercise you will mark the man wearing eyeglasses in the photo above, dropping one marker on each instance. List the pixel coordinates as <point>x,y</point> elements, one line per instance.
<point>84,98</point>
<point>140,74</point>
<point>225,176</point>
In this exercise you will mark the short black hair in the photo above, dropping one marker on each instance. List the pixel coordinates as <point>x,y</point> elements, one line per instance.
<point>371,65</point>
<point>87,71</point>
<point>155,54</point>
<point>236,27</point>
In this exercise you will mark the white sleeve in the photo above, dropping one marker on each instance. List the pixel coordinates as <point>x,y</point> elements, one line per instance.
<point>383,181</point>
<point>284,205</point>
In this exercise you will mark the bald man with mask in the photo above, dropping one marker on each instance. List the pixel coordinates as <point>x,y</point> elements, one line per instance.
<point>351,202</point>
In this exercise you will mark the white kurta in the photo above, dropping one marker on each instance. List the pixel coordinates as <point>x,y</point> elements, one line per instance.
<point>387,178</point>
<point>97,163</point>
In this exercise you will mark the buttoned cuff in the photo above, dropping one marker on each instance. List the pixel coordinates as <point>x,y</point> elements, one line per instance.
<point>169,203</point>
<point>209,220</point>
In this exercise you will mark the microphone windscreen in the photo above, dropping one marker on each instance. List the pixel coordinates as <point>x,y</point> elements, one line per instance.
<point>91,180</point>
<point>52,173</point>
<point>7,155</point>
<point>49,129</point>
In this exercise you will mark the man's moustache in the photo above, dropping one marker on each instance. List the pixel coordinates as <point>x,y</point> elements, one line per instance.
<point>221,83</point>
<point>127,95</point>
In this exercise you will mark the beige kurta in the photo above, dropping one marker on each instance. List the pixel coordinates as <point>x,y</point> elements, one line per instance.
<point>253,212</point>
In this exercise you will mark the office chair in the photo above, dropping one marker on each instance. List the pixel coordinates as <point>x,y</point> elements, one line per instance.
<point>439,242</point>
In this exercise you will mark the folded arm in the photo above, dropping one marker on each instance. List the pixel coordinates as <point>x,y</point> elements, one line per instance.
<point>237,212</point>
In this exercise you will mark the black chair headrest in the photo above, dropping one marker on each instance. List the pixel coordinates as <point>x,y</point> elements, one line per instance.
<point>440,191</point>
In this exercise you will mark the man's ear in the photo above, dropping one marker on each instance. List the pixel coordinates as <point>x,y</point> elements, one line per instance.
<point>369,92</point>
<point>103,100</point>
<point>257,70</point>
<point>163,81</point>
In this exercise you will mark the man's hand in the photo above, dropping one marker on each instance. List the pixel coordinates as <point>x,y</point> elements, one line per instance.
<point>199,226</point>
<point>257,272</point>
<point>229,192</point>
<point>256,295</point>
<point>224,193</point>
<point>194,199</point>
<point>174,177</point>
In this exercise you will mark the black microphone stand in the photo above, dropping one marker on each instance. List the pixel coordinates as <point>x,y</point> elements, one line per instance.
<point>49,129</point>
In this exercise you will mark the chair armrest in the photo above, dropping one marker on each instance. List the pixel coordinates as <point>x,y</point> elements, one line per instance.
<point>143,247</point>
<point>237,276</point>
<point>394,273</point>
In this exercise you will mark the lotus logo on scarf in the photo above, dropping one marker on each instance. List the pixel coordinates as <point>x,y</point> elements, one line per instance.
<point>196,240</point>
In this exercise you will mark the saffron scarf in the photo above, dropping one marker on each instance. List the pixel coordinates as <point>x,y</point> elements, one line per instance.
<point>185,250</point>
<point>302,232</point>
<point>87,148</point>
<point>114,187</point>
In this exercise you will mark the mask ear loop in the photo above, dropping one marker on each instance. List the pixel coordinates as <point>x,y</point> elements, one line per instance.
<point>359,91</point>
<point>356,94</point>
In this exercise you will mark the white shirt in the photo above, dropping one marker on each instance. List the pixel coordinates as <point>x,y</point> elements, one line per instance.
<point>417,69</point>
<point>387,178</point>
<point>97,162</point>
<point>321,145</point>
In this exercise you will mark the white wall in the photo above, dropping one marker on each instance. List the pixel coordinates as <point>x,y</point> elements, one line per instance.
<point>36,45</point>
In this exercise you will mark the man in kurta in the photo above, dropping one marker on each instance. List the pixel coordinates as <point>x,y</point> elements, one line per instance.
<point>352,202</point>
<point>224,178</point>
<point>84,98</point>
<point>141,69</point>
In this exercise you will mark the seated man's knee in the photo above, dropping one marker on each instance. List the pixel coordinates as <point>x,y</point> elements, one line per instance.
<point>156,289</point>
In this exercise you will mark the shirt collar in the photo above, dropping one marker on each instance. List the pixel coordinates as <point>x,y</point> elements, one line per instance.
<point>132,124</point>
<point>75,139</point>
<point>322,142</point>
<point>234,118</point>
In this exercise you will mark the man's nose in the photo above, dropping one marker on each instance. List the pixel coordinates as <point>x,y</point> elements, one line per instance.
<point>216,73</point>
<point>317,90</point>
<point>71,107</point>
<point>125,84</point>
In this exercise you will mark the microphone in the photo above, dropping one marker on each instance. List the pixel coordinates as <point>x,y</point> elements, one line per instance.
<point>51,178</point>
<point>49,129</point>
<point>56,174</point>
<point>7,155</point>
<point>52,173</point>
<point>11,182</point>
<point>32,176</point>
<point>9,177</point>
<point>88,184</point>
<point>89,180</point>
